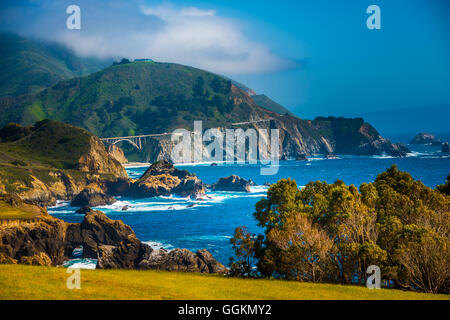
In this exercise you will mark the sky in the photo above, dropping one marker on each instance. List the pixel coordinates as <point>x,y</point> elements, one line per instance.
<point>313,57</point>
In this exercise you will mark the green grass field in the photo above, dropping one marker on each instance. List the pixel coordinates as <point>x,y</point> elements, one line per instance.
<point>33,282</point>
<point>25,212</point>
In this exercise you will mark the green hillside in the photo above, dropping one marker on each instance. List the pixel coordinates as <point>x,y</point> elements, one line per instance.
<point>267,103</point>
<point>33,282</point>
<point>49,151</point>
<point>29,66</point>
<point>135,98</point>
<point>47,142</point>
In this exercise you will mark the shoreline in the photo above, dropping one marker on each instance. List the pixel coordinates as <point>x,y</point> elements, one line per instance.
<point>136,164</point>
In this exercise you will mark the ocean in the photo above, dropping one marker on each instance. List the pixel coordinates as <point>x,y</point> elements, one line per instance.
<point>172,222</point>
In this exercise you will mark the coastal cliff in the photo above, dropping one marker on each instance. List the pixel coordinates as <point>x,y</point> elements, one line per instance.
<point>51,241</point>
<point>53,161</point>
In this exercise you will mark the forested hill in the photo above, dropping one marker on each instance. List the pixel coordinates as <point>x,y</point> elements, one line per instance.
<point>28,66</point>
<point>147,97</point>
<point>136,98</point>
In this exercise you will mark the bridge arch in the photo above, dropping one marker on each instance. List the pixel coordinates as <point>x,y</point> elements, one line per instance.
<point>127,140</point>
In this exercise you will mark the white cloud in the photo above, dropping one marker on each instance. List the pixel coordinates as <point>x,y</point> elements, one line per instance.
<point>190,36</point>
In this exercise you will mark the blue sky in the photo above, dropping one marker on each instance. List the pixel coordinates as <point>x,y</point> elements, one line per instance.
<point>314,57</point>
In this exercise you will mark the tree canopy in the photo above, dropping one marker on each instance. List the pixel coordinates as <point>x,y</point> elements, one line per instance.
<point>334,232</point>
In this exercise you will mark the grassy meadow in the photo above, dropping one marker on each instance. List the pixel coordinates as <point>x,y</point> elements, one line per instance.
<point>35,282</point>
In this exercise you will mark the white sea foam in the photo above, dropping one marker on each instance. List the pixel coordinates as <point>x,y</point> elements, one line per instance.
<point>89,264</point>
<point>383,157</point>
<point>59,204</point>
<point>316,159</point>
<point>156,245</point>
<point>165,203</point>
<point>206,238</point>
<point>258,189</point>
<point>71,211</point>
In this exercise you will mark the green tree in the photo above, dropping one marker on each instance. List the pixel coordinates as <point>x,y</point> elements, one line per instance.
<point>333,232</point>
<point>244,246</point>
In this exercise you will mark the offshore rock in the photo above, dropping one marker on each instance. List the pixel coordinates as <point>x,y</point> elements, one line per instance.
<point>96,230</point>
<point>232,183</point>
<point>423,138</point>
<point>92,196</point>
<point>163,179</point>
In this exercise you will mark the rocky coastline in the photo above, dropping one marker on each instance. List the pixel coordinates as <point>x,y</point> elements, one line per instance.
<point>50,241</point>
<point>90,176</point>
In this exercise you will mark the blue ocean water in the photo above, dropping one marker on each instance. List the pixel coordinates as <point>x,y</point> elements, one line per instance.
<point>172,222</point>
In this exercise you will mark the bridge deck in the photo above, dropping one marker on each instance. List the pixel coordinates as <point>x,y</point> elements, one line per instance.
<point>134,137</point>
<point>166,134</point>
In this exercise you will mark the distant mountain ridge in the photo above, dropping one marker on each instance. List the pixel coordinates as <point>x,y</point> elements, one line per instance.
<point>148,97</point>
<point>28,66</point>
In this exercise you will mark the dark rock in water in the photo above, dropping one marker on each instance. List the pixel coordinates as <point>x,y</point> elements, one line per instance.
<point>84,210</point>
<point>182,260</point>
<point>119,187</point>
<point>191,205</point>
<point>163,179</point>
<point>95,230</point>
<point>445,148</point>
<point>92,197</point>
<point>383,146</point>
<point>267,184</point>
<point>331,156</point>
<point>232,183</point>
<point>125,208</point>
<point>423,138</point>
<point>214,164</point>
<point>251,182</point>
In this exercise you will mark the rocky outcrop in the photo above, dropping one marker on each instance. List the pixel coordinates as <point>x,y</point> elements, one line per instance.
<point>92,196</point>
<point>51,241</point>
<point>117,153</point>
<point>182,260</point>
<point>65,160</point>
<point>354,136</point>
<point>445,148</point>
<point>32,243</point>
<point>232,183</point>
<point>126,254</point>
<point>97,160</point>
<point>163,179</point>
<point>96,230</point>
<point>423,138</point>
